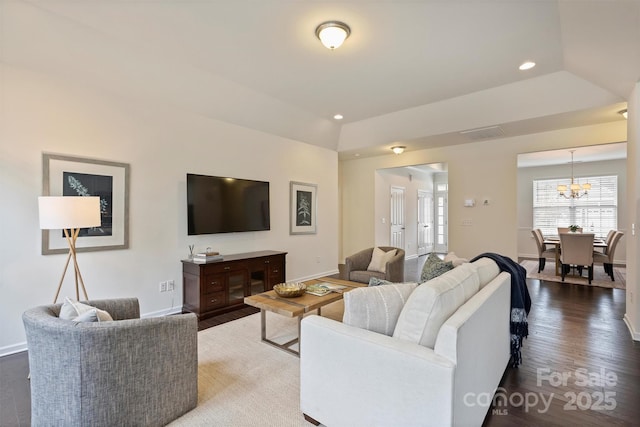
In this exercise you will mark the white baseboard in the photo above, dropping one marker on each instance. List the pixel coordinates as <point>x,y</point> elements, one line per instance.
<point>315,276</point>
<point>13,349</point>
<point>635,335</point>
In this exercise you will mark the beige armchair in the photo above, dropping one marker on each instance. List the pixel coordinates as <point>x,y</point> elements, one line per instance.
<point>606,258</point>
<point>356,266</point>
<point>576,249</point>
<point>543,252</point>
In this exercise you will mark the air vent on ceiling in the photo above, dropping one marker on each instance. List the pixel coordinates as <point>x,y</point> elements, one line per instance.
<point>483,133</point>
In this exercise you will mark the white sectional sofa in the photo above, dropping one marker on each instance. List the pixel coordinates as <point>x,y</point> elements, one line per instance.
<point>440,367</point>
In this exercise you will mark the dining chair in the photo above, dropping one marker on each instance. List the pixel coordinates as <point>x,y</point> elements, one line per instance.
<point>566,230</point>
<point>606,258</point>
<point>607,242</point>
<point>543,252</point>
<point>576,249</point>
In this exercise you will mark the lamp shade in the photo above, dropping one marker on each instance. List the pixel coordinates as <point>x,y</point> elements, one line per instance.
<point>58,212</point>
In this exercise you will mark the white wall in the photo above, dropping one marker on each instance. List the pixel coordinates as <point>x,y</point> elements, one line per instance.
<point>480,170</point>
<point>526,244</point>
<point>632,315</point>
<point>47,113</point>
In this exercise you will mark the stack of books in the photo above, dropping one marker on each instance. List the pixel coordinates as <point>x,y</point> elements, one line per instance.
<point>324,288</point>
<point>204,257</point>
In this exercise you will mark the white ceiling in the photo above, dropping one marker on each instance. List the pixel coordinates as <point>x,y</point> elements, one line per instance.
<point>593,153</point>
<point>412,72</point>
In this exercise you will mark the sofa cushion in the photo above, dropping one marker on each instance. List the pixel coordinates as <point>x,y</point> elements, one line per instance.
<point>433,302</point>
<point>379,259</point>
<point>455,259</point>
<point>487,270</point>
<point>78,312</point>
<point>434,267</point>
<point>376,308</point>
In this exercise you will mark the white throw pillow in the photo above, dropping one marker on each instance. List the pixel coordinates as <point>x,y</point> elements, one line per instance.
<point>78,312</point>
<point>433,302</point>
<point>487,270</point>
<point>376,308</point>
<point>379,259</point>
<point>454,259</point>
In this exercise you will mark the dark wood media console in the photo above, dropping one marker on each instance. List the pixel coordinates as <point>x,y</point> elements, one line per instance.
<point>217,287</point>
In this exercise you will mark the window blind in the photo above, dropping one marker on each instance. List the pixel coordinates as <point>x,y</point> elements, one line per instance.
<point>597,212</point>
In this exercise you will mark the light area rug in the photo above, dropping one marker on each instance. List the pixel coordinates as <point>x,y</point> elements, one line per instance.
<point>245,382</point>
<point>600,278</point>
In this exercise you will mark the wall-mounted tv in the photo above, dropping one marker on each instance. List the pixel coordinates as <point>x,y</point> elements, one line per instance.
<point>226,205</point>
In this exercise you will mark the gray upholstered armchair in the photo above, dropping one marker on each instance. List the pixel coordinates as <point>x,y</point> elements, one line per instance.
<point>131,371</point>
<point>356,266</point>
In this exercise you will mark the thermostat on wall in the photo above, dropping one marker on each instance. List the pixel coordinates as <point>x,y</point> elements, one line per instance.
<point>469,203</point>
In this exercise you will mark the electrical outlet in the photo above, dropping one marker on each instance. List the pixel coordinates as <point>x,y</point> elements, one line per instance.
<point>171,286</point>
<point>163,286</point>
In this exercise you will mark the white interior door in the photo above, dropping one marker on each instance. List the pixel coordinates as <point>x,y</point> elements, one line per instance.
<point>425,222</point>
<point>441,214</point>
<point>397,217</point>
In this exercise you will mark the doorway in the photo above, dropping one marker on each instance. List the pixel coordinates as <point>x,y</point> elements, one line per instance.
<point>425,222</point>
<point>404,204</point>
<point>397,217</point>
<point>441,217</point>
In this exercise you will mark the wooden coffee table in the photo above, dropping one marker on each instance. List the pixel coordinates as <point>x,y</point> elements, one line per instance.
<point>295,307</point>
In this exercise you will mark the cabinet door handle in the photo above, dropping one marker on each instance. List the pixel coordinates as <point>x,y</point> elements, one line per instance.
<point>227,268</point>
<point>214,283</point>
<point>275,270</point>
<point>266,262</point>
<point>214,300</point>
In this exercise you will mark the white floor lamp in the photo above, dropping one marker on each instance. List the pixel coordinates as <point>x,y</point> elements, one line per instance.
<point>69,213</point>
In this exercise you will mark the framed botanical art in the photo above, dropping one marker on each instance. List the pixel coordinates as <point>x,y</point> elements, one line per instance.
<point>303,217</point>
<point>75,176</point>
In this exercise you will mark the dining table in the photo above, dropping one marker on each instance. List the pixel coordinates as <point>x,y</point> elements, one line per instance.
<point>555,240</point>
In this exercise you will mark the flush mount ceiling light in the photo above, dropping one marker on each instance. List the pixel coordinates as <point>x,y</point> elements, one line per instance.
<point>527,65</point>
<point>333,33</point>
<point>398,149</point>
<point>624,113</point>
<point>338,117</point>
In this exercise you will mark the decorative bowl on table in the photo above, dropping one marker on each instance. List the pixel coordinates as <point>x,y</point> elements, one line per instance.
<point>290,290</point>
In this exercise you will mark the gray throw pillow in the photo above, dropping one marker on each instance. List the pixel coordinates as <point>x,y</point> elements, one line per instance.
<point>434,267</point>
<point>374,281</point>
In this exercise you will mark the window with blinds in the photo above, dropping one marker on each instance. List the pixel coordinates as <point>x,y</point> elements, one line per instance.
<point>596,212</point>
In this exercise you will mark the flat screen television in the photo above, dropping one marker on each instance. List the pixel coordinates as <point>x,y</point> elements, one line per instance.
<point>226,205</point>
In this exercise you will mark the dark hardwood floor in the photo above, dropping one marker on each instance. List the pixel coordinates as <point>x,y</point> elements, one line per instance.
<point>580,366</point>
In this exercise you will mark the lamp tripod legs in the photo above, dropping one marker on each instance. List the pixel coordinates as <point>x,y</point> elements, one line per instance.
<point>66,265</point>
<point>71,239</point>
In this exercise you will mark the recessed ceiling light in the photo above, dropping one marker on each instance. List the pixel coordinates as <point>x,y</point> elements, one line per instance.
<point>398,149</point>
<point>338,117</point>
<point>527,65</point>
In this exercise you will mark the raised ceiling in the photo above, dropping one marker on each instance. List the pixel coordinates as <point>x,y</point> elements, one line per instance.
<point>416,72</point>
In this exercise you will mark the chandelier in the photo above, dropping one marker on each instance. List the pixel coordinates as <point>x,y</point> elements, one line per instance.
<point>576,190</point>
